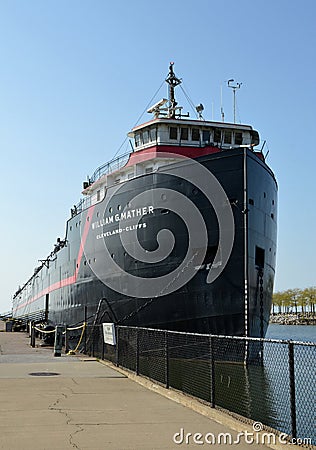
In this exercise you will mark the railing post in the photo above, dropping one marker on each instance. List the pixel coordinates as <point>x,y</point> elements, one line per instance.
<point>166,360</point>
<point>292,388</point>
<point>32,334</point>
<point>212,372</point>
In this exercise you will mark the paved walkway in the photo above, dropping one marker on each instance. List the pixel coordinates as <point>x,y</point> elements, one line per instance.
<point>88,405</point>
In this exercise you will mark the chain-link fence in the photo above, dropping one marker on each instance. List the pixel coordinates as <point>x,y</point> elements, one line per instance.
<point>269,381</point>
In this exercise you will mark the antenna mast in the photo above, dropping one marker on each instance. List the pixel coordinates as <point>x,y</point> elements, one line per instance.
<point>234,87</point>
<point>173,81</point>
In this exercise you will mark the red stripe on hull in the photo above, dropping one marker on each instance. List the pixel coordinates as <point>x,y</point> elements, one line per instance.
<point>70,280</point>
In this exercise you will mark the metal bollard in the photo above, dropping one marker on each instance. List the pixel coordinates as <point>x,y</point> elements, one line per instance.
<point>32,334</point>
<point>58,340</point>
<point>66,340</point>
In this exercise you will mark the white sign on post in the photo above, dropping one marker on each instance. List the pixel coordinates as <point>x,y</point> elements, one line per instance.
<point>109,333</point>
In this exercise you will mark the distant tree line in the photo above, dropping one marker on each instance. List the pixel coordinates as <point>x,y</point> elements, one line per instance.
<point>295,301</point>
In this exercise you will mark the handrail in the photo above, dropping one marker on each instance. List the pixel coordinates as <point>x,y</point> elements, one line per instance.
<point>114,164</point>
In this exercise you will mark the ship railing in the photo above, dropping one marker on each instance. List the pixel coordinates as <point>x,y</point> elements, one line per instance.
<point>269,381</point>
<point>105,169</point>
<point>6,315</point>
<point>109,167</point>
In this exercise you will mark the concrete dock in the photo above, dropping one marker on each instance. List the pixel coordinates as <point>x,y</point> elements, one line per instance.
<point>73,402</point>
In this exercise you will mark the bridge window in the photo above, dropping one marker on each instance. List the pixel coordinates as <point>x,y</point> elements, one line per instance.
<point>238,138</point>
<point>227,137</point>
<point>206,136</point>
<point>173,133</point>
<point>184,134</point>
<point>153,134</point>
<point>195,134</point>
<point>217,135</point>
<point>138,140</point>
<point>145,137</point>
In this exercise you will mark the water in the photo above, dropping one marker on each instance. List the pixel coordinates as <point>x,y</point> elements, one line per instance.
<point>305,333</point>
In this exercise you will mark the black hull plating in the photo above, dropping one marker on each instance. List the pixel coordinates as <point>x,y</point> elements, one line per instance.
<point>238,302</point>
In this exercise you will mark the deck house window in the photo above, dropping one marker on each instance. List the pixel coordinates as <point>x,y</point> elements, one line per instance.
<point>98,196</point>
<point>138,142</point>
<point>173,133</point>
<point>227,137</point>
<point>217,135</point>
<point>206,136</point>
<point>195,134</point>
<point>153,134</point>
<point>145,137</point>
<point>184,134</point>
<point>238,138</point>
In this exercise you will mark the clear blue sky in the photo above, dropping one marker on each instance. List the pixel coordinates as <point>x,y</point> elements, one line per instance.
<point>76,75</point>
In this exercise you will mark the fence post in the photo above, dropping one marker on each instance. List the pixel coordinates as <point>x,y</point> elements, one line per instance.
<point>212,372</point>
<point>166,360</point>
<point>103,346</point>
<point>93,339</point>
<point>85,331</point>
<point>137,352</point>
<point>117,347</point>
<point>32,334</point>
<point>292,388</point>
<point>66,340</point>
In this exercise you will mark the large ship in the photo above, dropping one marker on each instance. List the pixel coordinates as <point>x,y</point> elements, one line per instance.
<point>177,234</point>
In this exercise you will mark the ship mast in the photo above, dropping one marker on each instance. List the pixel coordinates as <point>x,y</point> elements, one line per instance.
<point>172,81</point>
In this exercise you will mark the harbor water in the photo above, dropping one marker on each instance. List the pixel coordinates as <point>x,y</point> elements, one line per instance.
<point>304,333</point>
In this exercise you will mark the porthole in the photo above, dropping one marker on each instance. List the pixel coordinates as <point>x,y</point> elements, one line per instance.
<point>272,216</point>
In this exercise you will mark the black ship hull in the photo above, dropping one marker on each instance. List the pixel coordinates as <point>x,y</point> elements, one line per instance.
<point>70,287</point>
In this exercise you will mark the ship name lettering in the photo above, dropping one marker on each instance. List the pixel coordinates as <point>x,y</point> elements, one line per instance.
<point>124,215</point>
